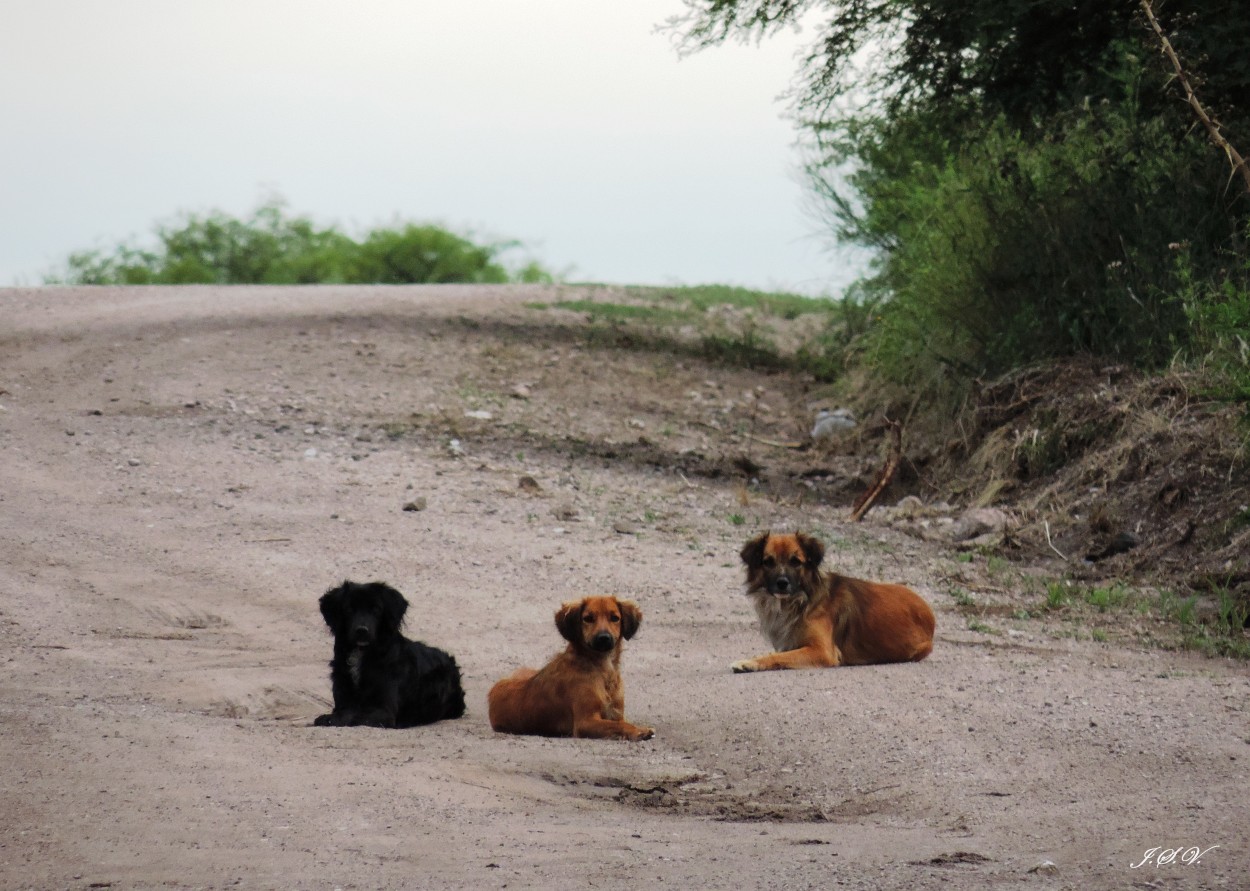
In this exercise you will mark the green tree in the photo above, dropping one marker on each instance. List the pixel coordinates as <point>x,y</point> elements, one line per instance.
<point>1026,169</point>
<point>425,254</point>
<point>273,247</point>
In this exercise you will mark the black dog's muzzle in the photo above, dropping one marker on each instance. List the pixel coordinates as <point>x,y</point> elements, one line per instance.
<point>603,642</point>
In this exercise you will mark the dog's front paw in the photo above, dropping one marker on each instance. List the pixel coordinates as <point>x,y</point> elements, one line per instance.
<point>325,721</point>
<point>641,733</point>
<point>744,665</point>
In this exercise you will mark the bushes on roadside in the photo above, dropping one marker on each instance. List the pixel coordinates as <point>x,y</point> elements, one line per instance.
<point>1009,250</point>
<point>273,247</point>
<point>1030,173</point>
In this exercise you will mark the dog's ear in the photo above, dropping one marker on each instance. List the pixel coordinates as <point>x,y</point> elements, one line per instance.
<point>813,550</point>
<point>631,618</point>
<point>331,604</point>
<point>393,606</point>
<point>753,551</point>
<point>569,621</point>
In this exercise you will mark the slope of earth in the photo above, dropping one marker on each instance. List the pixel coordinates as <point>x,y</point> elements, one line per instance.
<point>187,469</point>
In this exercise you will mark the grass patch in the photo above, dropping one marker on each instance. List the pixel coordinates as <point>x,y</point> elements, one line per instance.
<point>1106,599</point>
<point>962,598</point>
<point>677,321</point>
<point>610,312</point>
<point>1181,610</point>
<point>749,348</point>
<point>780,304</point>
<point>1215,626</point>
<point>1057,595</point>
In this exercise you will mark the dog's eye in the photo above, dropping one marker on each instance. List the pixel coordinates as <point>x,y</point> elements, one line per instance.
<point>614,619</point>
<point>587,618</point>
<point>770,562</point>
<point>795,561</point>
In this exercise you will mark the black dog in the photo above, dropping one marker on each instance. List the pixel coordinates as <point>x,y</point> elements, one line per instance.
<point>380,678</point>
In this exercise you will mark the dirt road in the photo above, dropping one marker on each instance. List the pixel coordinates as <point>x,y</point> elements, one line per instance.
<point>185,470</point>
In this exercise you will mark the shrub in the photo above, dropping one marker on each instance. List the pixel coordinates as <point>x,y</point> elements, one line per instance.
<point>1218,307</point>
<point>424,254</point>
<point>272,247</point>
<point>1007,251</point>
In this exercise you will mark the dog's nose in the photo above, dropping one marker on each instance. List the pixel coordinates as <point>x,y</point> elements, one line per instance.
<point>361,634</point>
<point>603,641</point>
<point>783,584</point>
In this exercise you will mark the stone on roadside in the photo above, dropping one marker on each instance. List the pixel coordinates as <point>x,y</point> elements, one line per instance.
<point>978,522</point>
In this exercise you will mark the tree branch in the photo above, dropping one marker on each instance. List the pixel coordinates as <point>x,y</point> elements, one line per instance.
<point>864,503</point>
<point>1213,129</point>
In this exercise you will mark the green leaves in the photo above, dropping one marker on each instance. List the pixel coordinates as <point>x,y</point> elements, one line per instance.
<point>272,247</point>
<point>1024,169</point>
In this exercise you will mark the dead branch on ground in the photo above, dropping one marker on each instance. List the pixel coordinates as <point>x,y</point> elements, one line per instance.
<point>864,503</point>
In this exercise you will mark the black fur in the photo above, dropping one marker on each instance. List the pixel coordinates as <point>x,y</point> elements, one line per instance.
<point>395,682</point>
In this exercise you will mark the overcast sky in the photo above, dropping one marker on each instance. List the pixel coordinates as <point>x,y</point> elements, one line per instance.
<point>572,125</point>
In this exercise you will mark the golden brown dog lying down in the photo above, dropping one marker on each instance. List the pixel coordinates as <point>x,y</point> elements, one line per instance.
<point>821,619</point>
<point>579,692</point>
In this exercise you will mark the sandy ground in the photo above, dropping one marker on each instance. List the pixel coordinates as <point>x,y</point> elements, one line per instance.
<point>186,470</point>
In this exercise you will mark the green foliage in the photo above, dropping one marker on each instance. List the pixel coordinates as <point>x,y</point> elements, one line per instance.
<point>1231,611</point>
<point>727,325</point>
<point>1108,598</point>
<point>1027,175</point>
<point>747,347</point>
<point>609,311</point>
<point>424,254</point>
<point>969,59</point>
<point>1057,595</point>
<point>1010,251</point>
<point>962,597</point>
<point>704,297</point>
<point>841,341</point>
<point>1218,307</point>
<point>272,247</point>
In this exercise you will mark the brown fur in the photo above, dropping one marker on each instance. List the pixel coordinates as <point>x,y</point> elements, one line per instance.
<point>820,619</point>
<point>579,692</point>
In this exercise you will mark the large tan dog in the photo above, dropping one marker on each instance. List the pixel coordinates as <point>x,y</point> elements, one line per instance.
<point>579,692</point>
<point>816,619</point>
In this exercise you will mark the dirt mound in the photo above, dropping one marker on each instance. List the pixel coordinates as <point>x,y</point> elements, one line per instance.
<point>1123,475</point>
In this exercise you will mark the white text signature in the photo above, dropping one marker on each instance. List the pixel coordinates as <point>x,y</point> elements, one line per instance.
<point>1161,856</point>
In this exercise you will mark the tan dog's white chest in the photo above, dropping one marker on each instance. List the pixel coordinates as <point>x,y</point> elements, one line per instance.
<point>779,619</point>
